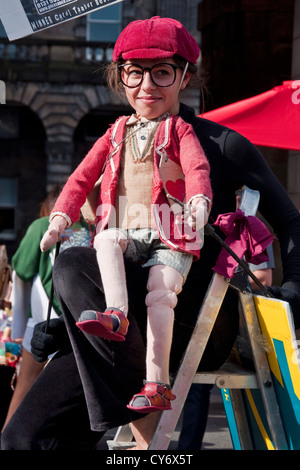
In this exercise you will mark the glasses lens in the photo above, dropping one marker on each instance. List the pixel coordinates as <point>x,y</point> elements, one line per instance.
<point>131,75</point>
<point>163,74</point>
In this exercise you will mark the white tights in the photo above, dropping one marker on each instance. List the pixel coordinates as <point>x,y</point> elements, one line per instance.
<point>164,284</point>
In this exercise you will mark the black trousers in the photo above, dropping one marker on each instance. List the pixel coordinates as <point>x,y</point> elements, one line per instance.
<point>84,389</point>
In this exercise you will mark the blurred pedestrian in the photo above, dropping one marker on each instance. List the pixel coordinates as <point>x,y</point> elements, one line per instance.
<point>31,287</point>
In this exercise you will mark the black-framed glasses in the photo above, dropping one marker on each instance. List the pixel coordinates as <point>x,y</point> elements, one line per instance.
<point>162,75</point>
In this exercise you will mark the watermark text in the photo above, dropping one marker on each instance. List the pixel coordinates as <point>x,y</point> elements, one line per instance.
<point>296,93</point>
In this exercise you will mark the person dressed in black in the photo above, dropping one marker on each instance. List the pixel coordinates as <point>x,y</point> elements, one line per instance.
<point>84,389</point>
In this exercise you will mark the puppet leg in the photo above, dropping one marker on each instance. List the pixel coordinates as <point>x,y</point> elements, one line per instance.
<point>112,324</point>
<point>163,286</point>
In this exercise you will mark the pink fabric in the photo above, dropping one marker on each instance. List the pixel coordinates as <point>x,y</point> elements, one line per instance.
<point>247,236</point>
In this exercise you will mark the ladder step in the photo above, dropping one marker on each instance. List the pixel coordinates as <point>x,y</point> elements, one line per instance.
<point>122,439</point>
<point>230,375</point>
<point>116,445</point>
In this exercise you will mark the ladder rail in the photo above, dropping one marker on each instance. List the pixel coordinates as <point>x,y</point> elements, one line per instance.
<point>187,372</point>
<point>242,425</point>
<point>188,368</point>
<point>194,352</point>
<point>263,373</point>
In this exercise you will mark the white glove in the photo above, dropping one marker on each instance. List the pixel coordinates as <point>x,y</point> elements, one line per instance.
<point>53,234</point>
<point>197,214</point>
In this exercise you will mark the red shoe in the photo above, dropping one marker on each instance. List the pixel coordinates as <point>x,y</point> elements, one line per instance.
<point>101,324</point>
<point>153,397</point>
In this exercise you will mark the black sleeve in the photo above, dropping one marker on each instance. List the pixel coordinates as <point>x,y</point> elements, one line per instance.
<point>275,204</point>
<point>234,162</point>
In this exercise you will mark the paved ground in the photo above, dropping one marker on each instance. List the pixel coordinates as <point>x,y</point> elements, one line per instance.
<point>216,437</point>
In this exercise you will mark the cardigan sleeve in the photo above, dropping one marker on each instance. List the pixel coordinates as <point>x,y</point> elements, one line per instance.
<point>194,163</point>
<point>83,179</point>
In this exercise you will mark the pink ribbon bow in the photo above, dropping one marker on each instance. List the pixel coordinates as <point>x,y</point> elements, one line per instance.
<point>247,236</point>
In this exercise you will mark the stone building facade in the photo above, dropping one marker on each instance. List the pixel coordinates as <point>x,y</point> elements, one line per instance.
<point>57,102</point>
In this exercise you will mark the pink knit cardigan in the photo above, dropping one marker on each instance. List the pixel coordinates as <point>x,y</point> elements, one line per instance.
<point>174,140</point>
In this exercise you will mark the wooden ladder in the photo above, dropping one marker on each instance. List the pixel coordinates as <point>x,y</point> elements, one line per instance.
<point>231,376</point>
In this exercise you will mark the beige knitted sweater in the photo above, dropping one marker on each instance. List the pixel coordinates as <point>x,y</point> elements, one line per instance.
<point>134,191</point>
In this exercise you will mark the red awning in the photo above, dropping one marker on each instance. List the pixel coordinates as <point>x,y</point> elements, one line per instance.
<point>270,119</point>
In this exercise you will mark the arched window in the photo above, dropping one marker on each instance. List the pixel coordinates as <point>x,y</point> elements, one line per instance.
<point>104,25</point>
<point>23,167</point>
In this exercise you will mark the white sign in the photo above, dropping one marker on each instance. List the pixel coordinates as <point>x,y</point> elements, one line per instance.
<point>24,17</point>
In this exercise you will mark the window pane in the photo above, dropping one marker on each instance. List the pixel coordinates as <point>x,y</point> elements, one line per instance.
<point>2,31</point>
<point>8,201</point>
<point>8,192</point>
<point>9,123</point>
<point>112,12</point>
<point>105,32</point>
<point>104,25</point>
<point>7,222</point>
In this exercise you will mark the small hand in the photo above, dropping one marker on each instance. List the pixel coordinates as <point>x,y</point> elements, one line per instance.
<point>197,214</point>
<point>53,234</point>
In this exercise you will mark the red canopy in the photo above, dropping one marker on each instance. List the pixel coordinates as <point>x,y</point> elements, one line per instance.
<point>271,119</point>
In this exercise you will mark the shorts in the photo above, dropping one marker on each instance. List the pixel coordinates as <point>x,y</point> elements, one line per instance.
<point>145,247</point>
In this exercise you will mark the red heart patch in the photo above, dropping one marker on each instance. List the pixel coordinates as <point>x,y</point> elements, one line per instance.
<point>176,188</point>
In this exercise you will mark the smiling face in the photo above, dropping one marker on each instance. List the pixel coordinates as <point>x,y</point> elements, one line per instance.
<point>150,100</point>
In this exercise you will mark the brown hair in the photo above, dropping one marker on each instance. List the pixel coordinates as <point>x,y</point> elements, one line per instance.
<point>111,74</point>
<point>48,203</point>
